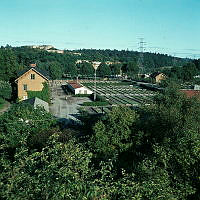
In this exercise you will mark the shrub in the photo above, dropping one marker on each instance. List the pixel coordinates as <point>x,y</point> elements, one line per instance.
<point>5,90</point>
<point>44,94</point>
<point>96,103</point>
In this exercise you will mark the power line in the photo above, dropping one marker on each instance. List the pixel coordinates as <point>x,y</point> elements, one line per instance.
<point>141,55</point>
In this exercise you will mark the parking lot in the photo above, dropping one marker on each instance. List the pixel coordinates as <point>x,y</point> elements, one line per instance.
<point>65,107</point>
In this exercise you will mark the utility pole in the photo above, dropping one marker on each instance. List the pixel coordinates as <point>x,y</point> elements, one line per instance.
<point>95,81</point>
<point>141,56</point>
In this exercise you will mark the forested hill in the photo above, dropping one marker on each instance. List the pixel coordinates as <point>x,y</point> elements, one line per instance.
<point>151,60</point>
<point>13,59</point>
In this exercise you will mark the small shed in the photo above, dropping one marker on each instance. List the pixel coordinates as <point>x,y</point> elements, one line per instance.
<point>78,88</point>
<point>35,102</point>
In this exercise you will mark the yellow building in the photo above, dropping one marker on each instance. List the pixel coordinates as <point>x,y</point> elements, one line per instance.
<point>158,77</point>
<point>30,79</point>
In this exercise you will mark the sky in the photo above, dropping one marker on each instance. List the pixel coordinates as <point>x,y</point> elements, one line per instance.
<point>167,26</point>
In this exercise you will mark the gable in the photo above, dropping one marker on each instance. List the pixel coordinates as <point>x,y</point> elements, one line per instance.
<point>26,72</point>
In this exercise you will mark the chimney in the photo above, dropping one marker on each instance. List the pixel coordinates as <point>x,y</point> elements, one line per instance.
<point>33,65</point>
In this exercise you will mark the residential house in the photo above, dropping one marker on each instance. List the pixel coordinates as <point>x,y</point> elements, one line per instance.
<point>192,92</point>
<point>30,79</point>
<point>158,77</point>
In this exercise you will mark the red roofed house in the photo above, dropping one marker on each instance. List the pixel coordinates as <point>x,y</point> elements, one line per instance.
<point>191,93</point>
<point>77,88</point>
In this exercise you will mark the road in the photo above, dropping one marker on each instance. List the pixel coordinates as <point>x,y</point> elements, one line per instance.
<point>65,107</point>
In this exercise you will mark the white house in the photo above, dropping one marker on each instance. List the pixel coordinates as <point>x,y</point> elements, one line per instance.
<point>77,88</point>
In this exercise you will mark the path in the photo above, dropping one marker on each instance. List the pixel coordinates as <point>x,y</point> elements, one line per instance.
<point>5,108</point>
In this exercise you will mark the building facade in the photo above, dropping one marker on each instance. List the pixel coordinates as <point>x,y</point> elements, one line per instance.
<point>30,79</point>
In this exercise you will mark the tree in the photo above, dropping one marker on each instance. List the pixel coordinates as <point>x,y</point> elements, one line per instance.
<point>70,68</point>
<point>8,64</point>
<point>56,170</point>
<point>21,122</point>
<point>86,69</point>
<point>171,131</point>
<point>112,135</point>
<point>5,90</point>
<point>131,68</point>
<point>116,69</point>
<point>189,71</point>
<point>55,70</point>
<point>103,70</point>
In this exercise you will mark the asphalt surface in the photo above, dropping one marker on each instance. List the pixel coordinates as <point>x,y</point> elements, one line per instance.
<point>65,107</point>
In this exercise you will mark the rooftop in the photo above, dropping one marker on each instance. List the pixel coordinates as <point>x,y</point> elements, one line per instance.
<point>74,84</point>
<point>42,72</point>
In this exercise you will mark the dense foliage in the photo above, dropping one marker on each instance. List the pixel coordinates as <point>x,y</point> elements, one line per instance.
<point>183,73</point>
<point>5,90</point>
<point>151,153</point>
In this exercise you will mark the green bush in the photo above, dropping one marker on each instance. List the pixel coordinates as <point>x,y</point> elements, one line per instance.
<point>44,94</point>
<point>5,90</point>
<point>2,101</point>
<point>96,103</point>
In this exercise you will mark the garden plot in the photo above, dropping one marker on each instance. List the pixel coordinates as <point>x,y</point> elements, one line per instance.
<point>123,94</point>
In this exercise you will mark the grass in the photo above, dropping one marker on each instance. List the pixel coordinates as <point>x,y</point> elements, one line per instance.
<point>82,95</point>
<point>96,103</point>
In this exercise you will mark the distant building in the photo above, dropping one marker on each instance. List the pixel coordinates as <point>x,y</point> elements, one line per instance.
<point>191,93</point>
<point>82,61</point>
<point>96,64</point>
<point>44,47</point>
<point>158,77</point>
<point>112,63</point>
<point>77,88</point>
<point>30,79</point>
<point>48,48</point>
<point>55,51</point>
<point>196,87</point>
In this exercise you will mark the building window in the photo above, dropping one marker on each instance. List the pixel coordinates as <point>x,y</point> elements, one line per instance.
<point>32,76</point>
<point>25,87</point>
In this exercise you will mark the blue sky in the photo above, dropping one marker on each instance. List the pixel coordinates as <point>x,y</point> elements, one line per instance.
<point>167,26</point>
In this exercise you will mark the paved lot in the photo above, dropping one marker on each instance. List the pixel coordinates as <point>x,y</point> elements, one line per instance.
<point>65,107</point>
<point>5,108</point>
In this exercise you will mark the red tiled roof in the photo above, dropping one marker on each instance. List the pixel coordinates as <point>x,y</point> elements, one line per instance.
<point>191,93</point>
<point>75,84</point>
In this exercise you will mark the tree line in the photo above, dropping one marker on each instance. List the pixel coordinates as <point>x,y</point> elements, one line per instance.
<point>185,73</point>
<point>14,59</point>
